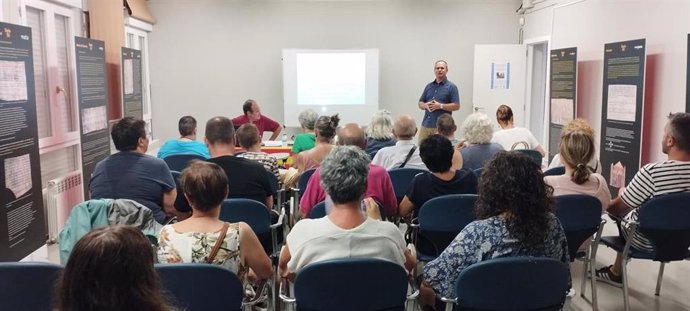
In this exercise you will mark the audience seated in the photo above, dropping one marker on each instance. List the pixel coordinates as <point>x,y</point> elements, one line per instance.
<point>249,139</point>
<point>325,131</point>
<point>576,150</point>
<point>379,132</point>
<point>514,219</point>
<point>405,153</point>
<point>187,143</point>
<point>581,126</point>
<point>379,186</point>
<point>111,268</point>
<point>132,174</point>
<point>652,180</point>
<point>477,148</point>
<point>346,232</point>
<point>194,239</point>
<point>306,140</point>
<point>251,113</point>
<point>445,126</point>
<point>512,137</point>
<point>247,179</point>
<point>437,153</point>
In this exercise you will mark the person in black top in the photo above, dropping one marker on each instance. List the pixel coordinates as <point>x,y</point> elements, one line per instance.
<point>246,178</point>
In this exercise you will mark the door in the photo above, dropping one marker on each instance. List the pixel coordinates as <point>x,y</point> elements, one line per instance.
<point>499,79</point>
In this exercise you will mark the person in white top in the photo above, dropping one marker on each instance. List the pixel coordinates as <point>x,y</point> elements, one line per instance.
<point>404,130</point>
<point>577,150</point>
<point>347,232</point>
<point>512,137</point>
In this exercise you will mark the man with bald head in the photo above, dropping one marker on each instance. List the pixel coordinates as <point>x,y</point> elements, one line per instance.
<point>379,185</point>
<point>405,153</point>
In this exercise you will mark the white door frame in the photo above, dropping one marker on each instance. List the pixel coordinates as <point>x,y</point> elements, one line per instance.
<point>529,43</point>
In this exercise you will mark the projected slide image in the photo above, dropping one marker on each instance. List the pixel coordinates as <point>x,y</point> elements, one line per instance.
<point>12,81</point>
<point>18,174</point>
<point>331,79</point>
<point>128,78</point>
<point>93,119</point>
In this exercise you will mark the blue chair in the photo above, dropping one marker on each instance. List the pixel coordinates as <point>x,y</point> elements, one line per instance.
<point>349,284</point>
<point>512,283</point>
<point>298,192</point>
<point>201,286</point>
<point>257,216</point>
<point>580,217</point>
<point>665,221</point>
<point>27,285</point>
<point>555,171</point>
<point>401,179</point>
<point>278,193</point>
<point>535,155</point>
<point>181,204</point>
<point>478,172</point>
<point>178,162</point>
<point>318,211</point>
<point>440,220</point>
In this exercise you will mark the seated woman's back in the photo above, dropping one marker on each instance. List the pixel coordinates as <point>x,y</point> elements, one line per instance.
<point>194,239</point>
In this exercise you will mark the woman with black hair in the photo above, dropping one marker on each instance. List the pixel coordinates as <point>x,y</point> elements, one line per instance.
<point>514,219</point>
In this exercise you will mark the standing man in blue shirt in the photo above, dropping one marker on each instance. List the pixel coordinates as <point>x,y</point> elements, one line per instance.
<point>439,97</point>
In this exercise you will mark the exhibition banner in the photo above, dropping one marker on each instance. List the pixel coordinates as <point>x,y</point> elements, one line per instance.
<point>562,103</point>
<point>92,88</point>
<point>132,99</point>
<point>622,111</point>
<point>22,217</point>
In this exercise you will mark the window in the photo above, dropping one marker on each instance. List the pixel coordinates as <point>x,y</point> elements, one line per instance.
<point>52,28</point>
<point>136,37</point>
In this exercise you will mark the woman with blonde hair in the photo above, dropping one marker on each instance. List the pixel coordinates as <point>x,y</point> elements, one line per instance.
<point>379,132</point>
<point>576,151</point>
<point>582,126</point>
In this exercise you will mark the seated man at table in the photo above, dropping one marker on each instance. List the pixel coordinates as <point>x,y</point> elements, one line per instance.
<point>246,179</point>
<point>187,143</point>
<point>379,185</point>
<point>249,139</point>
<point>252,114</point>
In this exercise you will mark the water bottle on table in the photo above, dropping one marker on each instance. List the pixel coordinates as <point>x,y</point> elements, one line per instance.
<point>284,140</point>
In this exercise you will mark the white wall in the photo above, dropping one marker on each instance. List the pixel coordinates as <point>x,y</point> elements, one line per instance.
<point>589,24</point>
<point>208,56</point>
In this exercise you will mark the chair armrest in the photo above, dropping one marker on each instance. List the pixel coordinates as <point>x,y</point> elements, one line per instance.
<point>258,296</point>
<point>620,219</point>
<point>413,287</point>
<point>283,291</point>
<point>280,219</point>
<point>449,302</point>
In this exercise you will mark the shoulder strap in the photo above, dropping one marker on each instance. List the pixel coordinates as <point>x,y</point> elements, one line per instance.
<point>219,242</point>
<point>407,158</point>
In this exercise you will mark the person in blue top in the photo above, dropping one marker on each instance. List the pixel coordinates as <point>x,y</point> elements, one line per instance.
<point>440,96</point>
<point>187,143</point>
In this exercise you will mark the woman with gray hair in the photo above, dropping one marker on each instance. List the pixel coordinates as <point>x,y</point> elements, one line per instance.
<point>379,132</point>
<point>347,232</point>
<point>306,140</point>
<point>477,148</point>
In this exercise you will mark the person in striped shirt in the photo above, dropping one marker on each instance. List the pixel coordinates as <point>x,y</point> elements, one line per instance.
<point>653,179</point>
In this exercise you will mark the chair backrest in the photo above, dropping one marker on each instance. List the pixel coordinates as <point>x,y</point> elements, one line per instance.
<point>401,178</point>
<point>535,155</point>
<point>555,171</point>
<point>27,285</point>
<point>304,179</point>
<point>181,203</point>
<point>442,218</point>
<point>665,220</point>
<point>201,286</point>
<point>318,211</point>
<point>178,162</point>
<point>254,213</point>
<point>478,172</point>
<point>513,283</point>
<point>580,217</point>
<point>351,284</point>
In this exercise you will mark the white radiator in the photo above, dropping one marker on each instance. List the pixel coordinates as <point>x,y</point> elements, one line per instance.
<point>63,194</point>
